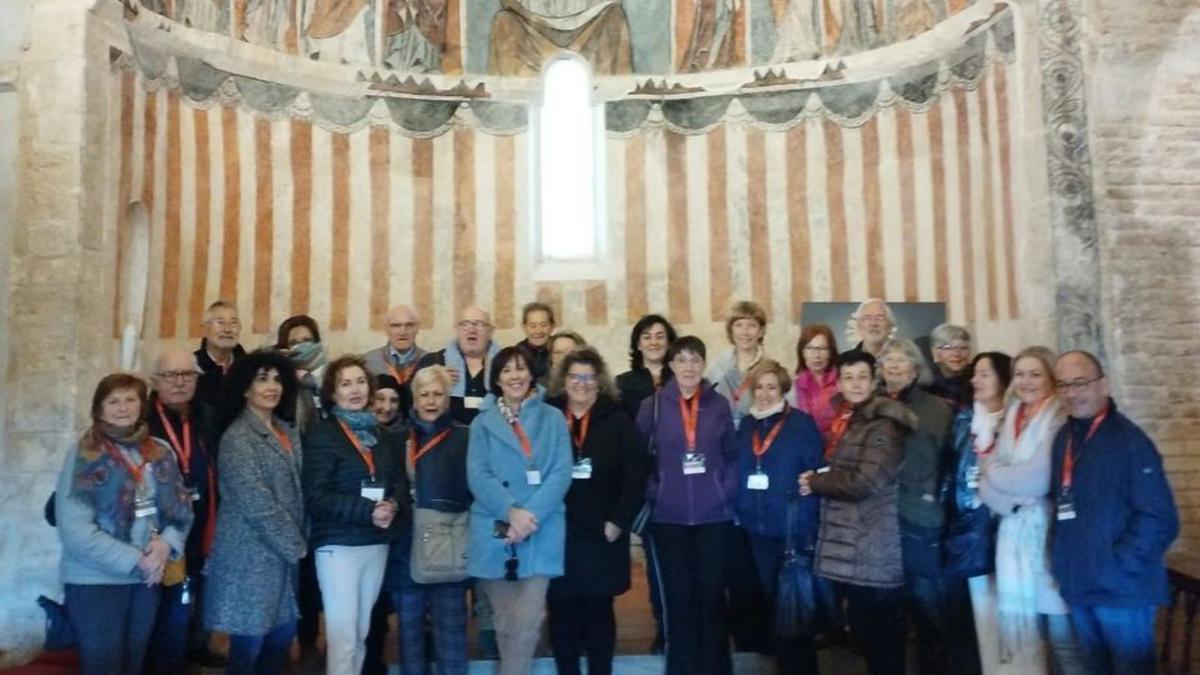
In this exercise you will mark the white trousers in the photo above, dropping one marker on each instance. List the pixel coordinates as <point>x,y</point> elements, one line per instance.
<point>350,579</point>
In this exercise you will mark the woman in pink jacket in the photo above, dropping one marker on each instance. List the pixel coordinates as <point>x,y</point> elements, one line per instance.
<point>816,377</point>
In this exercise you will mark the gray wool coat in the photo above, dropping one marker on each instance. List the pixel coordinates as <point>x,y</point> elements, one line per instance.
<point>253,569</point>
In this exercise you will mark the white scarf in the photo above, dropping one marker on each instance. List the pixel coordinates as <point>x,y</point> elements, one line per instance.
<point>1024,585</point>
<point>984,425</point>
<point>764,414</point>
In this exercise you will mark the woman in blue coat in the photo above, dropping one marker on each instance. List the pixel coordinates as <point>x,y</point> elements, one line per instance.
<point>519,470</point>
<point>775,444</point>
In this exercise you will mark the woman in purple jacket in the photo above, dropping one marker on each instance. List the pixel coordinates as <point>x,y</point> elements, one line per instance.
<point>692,486</point>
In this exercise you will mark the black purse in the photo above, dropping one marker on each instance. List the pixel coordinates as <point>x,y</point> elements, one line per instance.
<point>804,602</point>
<point>642,520</point>
<point>969,545</point>
<point>60,634</point>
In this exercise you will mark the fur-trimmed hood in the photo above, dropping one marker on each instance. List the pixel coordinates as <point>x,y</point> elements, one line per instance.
<point>882,406</point>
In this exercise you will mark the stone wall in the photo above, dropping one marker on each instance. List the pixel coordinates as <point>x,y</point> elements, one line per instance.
<point>1144,97</point>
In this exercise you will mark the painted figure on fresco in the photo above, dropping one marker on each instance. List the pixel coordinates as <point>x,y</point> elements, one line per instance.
<point>338,31</point>
<point>713,42</point>
<point>270,23</point>
<point>852,26</point>
<point>798,30</point>
<point>913,17</point>
<point>525,33</point>
<point>415,33</point>
<point>207,15</point>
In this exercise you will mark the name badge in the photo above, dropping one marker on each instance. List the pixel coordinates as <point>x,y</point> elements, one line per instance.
<point>371,490</point>
<point>144,508</point>
<point>693,463</point>
<point>1066,507</point>
<point>193,495</point>
<point>824,469</point>
<point>472,402</point>
<point>757,481</point>
<point>582,469</point>
<point>973,478</point>
<point>533,477</point>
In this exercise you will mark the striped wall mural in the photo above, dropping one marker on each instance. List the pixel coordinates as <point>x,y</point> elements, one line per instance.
<point>284,217</point>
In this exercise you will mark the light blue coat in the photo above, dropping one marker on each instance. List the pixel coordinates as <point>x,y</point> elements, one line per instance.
<point>496,468</point>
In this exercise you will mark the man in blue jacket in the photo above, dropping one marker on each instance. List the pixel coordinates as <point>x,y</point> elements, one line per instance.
<point>1116,518</point>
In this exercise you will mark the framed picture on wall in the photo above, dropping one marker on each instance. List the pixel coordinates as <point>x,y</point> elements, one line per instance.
<point>914,320</point>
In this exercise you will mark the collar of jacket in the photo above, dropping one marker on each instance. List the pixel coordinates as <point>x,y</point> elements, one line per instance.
<point>882,406</point>
<point>670,390</point>
<point>604,406</point>
<point>205,360</point>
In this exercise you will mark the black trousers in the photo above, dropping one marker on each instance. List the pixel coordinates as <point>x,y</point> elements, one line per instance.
<point>309,600</point>
<point>793,656</point>
<point>692,562</point>
<point>749,625</point>
<point>582,621</point>
<point>940,609</point>
<point>877,625</point>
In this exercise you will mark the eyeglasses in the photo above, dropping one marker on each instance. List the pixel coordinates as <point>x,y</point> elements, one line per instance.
<point>510,565</point>
<point>582,379</point>
<point>1076,386</point>
<point>478,325</point>
<point>814,348</point>
<point>954,347</point>
<point>178,375</point>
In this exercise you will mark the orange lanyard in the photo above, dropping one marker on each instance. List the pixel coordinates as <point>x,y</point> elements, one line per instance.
<point>135,471</point>
<point>414,453</point>
<point>690,412</point>
<point>584,423</point>
<point>283,439</point>
<point>1069,455</point>
<point>365,454</point>
<point>737,394</point>
<point>1024,417</point>
<point>403,374</point>
<point>526,446</point>
<point>759,446</point>
<point>184,451</point>
<point>838,429</point>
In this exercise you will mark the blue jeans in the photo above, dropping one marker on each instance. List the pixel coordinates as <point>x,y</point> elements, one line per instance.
<point>1066,657</point>
<point>113,623</point>
<point>261,654</point>
<point>1116,640</point>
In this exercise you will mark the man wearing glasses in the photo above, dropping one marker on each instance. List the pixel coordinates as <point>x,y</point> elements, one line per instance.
<point>184,423</point>
<point>467,357</point>
<point>218,349</point>
<point>1115,519</point>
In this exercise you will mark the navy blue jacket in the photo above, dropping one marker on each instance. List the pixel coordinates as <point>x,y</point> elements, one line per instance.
<point>1111,553</point>
<point>798,448</point>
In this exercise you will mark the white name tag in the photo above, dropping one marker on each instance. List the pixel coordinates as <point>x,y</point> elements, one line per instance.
<point>757,481</point>
<point>371,490</point>
<point>824,469</point>
<point>472,402</point>
<point>693,463</point>
<point>533,477</point>
<point>144,508</point>
<point>582,469</point>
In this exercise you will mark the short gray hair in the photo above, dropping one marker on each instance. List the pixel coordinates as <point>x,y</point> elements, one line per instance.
<point>948,333</point>
<point>913,353</point>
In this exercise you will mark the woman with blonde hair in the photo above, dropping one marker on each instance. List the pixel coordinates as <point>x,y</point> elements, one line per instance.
<point>1035,629</point>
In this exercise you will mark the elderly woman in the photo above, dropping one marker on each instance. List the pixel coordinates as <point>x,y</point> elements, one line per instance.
<point>519,469</point>
<point>353,476</point>
<point>437,469</point>
<point>385,403</point>
<point>951,356</point>
<point>775,445</point>
<point>254,565</point>
<point>122,512</point>
<point>299,339</point>
<point>1015,484</point>
<point>970,540</point>
<point>873,323</point>
<point>607,486</point>
<point>816,377</point>
<point>939,604</point>
<point>693,481</point>
<point>858,542</point>
<point>561,344</point>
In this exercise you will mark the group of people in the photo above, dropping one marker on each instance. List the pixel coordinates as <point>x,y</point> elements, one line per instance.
<point>999,507</point>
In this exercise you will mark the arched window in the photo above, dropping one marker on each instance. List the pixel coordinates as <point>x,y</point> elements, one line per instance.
<point>567,181</point>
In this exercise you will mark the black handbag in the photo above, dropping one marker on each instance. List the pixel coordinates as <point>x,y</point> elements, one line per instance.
<point>804,602</point>
<point>969,545</point>
<point>642,520</point>
<point>60,634</point>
